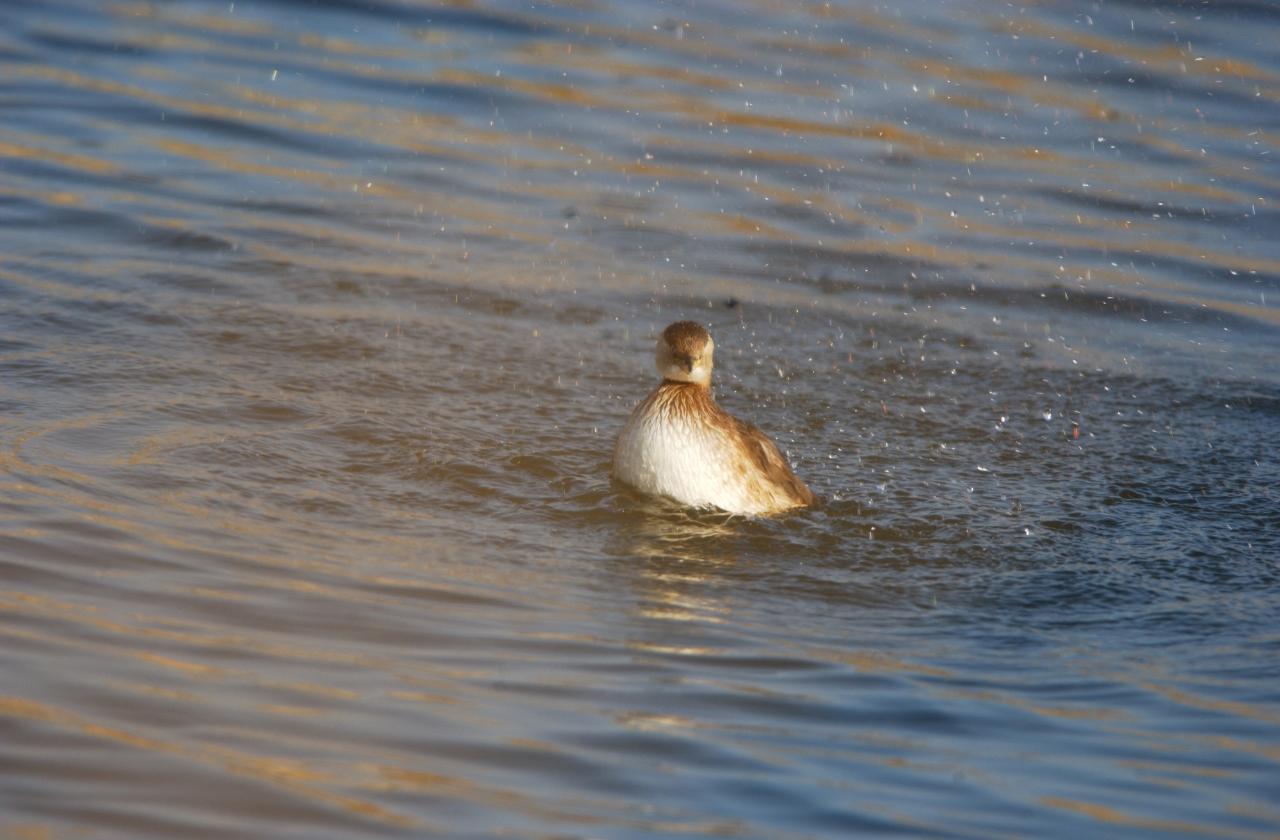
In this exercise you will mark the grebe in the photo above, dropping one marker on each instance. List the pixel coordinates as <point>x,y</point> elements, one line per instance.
<point>678,443</point>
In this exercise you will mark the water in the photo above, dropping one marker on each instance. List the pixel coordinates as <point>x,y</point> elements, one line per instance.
<point>317,321</point>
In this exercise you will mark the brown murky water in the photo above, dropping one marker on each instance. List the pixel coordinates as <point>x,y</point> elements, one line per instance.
<point>317,321</point>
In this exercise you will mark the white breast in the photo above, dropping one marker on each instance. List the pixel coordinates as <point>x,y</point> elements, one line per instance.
<point>692,462</point>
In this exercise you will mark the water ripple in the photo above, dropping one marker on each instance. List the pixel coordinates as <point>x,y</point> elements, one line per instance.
<point>317,322</point>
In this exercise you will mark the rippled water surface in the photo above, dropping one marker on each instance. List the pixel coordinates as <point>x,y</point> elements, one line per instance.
<point>318,319</point>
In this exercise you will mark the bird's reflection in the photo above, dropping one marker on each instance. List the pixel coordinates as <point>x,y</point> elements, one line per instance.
<point>676,559</point>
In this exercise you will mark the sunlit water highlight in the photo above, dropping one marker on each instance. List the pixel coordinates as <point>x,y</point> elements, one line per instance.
<point>317,321</point>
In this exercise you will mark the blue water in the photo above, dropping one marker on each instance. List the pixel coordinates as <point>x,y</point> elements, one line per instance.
<point>318,321</point>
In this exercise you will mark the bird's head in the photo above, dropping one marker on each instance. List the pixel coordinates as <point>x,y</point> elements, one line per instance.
<point>684,353</point>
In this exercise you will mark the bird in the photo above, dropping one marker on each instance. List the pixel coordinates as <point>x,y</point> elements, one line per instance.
<point>678,443</point>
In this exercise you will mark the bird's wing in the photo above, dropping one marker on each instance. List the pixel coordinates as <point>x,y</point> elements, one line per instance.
<point>771,462</point>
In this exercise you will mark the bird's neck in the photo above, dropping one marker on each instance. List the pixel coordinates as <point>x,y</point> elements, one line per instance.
<point>682,385</point>
<point>676,399</point>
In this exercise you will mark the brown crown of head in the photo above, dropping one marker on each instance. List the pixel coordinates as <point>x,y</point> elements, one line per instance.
<point>686,338</point>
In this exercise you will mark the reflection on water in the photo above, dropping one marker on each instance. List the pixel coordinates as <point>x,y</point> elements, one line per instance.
<point>317,322</point>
